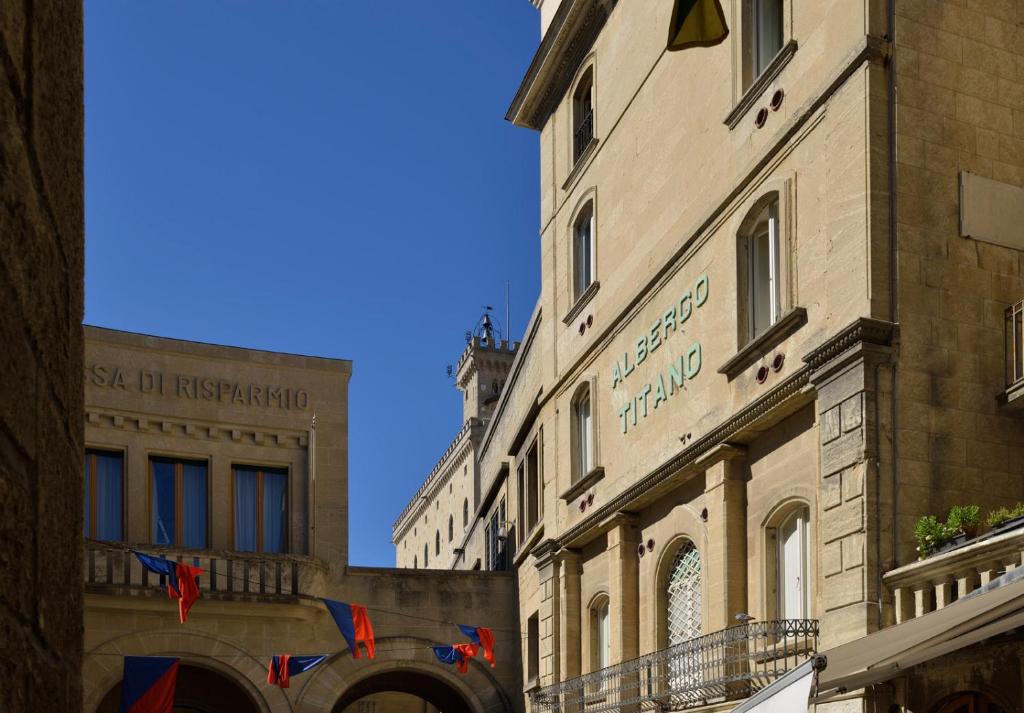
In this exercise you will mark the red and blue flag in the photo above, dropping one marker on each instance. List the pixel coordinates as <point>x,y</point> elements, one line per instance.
<point>354,624</point>
<point>482,637</point>
<point>283,667</point>
<point>182,580</point>
<point>456,654</point>
<point>148,684</point>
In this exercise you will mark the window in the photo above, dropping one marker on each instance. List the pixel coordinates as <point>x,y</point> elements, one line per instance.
<point>104,495</point>
<point>532,648</point>
<point>465,513</point>
<point>683,588</point>
<point>600,635</point>
<point>582,435</point>
<point>260,509</point>
<point>763,36</point>
<point>583,115</point>
<point>437,542</point>
<point>793,565</point>
<point>426,556</point>
<point>494,540</point>
<point>177,502</point>
<point>761,256</point>
<point>415,562</point>
<point>531,487</point>
<point>583,251</point>
<point>451,528</point>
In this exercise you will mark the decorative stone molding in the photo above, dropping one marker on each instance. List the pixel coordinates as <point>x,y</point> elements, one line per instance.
<point>864,329</point>
<point>195,430</point>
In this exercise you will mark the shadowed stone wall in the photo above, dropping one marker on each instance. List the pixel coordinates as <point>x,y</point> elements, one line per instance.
<point>41,275</point>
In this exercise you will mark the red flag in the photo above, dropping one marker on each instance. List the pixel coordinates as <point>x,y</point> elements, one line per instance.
<point>188,591</point>
<point>468,651</point>
<point>363,629</point>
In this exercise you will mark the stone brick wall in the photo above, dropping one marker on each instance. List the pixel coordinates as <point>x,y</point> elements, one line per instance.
<point>41,277</point>
<point>960,107</point>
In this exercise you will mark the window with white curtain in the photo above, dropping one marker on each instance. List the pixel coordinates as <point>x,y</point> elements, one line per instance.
<point>764,274</point>
<point>793,565</point>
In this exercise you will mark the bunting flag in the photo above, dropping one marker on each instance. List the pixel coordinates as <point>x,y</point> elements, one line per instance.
<point>283,667</point>
<point>182,580</point>
<point>148,684</point>
<point>696,23</point>
<point>354,624</point>
<point>482,637</point>
<point>457,654</point>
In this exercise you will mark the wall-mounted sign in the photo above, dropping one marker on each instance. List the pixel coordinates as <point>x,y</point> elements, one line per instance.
<point>677,371</point>
<point>196,388</point>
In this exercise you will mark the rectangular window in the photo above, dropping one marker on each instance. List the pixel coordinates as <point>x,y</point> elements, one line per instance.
<point>764,271</point>
<point>104,495</point>
<point>585,437</point>
<point>532,648</point>
<point>583,252</point>
<point>765,36</point>
<point>178,502</point>
<point>522,525</point>
<point>259,509</point>
<point>533,510</point>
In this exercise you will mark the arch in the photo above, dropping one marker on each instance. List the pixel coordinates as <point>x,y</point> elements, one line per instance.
<point>787,536</point>
<point>583,249</point>
<point>598,644</point>
<point>198,690</point>
<point>401,661</point>
<point>973,701</point>
<point>667,565</point>
<point>583,113</point>
<point>102,667</point>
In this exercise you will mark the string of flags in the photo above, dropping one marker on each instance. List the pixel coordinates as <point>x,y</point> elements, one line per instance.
<point>149,681</point>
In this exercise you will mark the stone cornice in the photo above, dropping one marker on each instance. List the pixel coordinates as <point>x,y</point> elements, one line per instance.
<point>204,430</point>
<point>569,37</point>
<point>863,330</point>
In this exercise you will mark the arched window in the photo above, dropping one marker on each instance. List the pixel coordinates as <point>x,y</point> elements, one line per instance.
<point>761,250</point>
<point>415,562</point>
<point>789,547</point>
<point>583,250</point>
<point>426,558</point>
<point>451,528</point>
<point>583,115</point>
<point>763,36</point>
<point>970,702</point>
<point>683,588</point>
<point>437,542</point>
<point>582,434</point>
<point>465,513</point>
<point>600,635</point>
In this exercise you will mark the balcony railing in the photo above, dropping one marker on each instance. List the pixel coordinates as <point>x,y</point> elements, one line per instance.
<point>939,580</point>
<point>1014,331</point>
<point>726,665</point>
<point>112,569</point>
<point>584,135</point>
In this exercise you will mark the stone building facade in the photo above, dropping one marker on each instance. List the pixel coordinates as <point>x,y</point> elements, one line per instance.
<point>778,322</point>
<point>41,307</point>
<point>236,460</point>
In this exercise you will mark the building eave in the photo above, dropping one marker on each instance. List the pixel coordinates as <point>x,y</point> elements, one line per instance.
<point>568,39</point>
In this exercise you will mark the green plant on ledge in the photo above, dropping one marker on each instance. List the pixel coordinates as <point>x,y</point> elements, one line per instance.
<point>1000,515</point>
<point>930,535</point>
<point>964,519</point>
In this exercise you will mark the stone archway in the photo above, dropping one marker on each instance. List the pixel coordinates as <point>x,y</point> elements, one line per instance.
<point>198,690</point>
<point>403,666</point>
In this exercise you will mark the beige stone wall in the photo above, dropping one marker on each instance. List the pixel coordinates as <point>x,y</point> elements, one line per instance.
<point>41,275</point>
<point>960,108</point>
<point>149,396</point>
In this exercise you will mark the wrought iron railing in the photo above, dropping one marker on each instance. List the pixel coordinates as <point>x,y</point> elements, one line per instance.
<point>110,568</point>
<point>1014,344</point>
<point>726,665</point>
<point>584,134</point>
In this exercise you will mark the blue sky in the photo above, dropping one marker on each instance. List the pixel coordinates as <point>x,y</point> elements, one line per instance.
<point>329,178</point>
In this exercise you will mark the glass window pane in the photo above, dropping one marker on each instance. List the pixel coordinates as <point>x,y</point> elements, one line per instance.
<point>275,486</point>
<point>194,505</point>
<point>584,258</point>
<point>87,499</point>
<point>760,283</point>
<point>768,32</point>
<point>163,503</point>
<point>245,509</point>
<point>109,467</point>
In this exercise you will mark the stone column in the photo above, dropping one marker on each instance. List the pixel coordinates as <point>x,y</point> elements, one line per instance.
<point>569,614</point>
<point>623,586</point>
<point>725,494</point>
<point>547,564</point>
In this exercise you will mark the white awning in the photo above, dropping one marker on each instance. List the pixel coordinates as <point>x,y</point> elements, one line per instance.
<point>786,695</point>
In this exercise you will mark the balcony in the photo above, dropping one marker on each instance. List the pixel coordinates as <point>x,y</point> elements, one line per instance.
<point>1014,335</point>
<point>584,135</point>
<point>727,665</point>
<point>940,580</point>
<point>242,576</point>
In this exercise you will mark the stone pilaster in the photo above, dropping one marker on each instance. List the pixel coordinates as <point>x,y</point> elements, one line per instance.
<point>569,614</point>
<point>725,495</point>
<point>854,518</point>
<point>623,586</point>
<point>549,614</point>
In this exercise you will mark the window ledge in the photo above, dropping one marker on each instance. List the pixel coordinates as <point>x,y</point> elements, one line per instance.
<point>588,294</point>
<point>532,685</point>
<point>583,483</point>
<point>755,90</point>
<point>581,163</point>
<point>754,350</point>
<point>1013,397</point>
<point>528,543</point>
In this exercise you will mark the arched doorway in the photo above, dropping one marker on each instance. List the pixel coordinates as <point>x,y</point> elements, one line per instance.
<point>198,690</point>
<point>970,702</point>
<point>409,685</point>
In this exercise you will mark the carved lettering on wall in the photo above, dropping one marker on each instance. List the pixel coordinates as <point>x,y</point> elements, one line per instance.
<point>196,388</point>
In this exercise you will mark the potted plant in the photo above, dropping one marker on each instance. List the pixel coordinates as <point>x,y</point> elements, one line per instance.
<point>1005,519</point>
<point>930,535</point>
<point>964,520</point>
